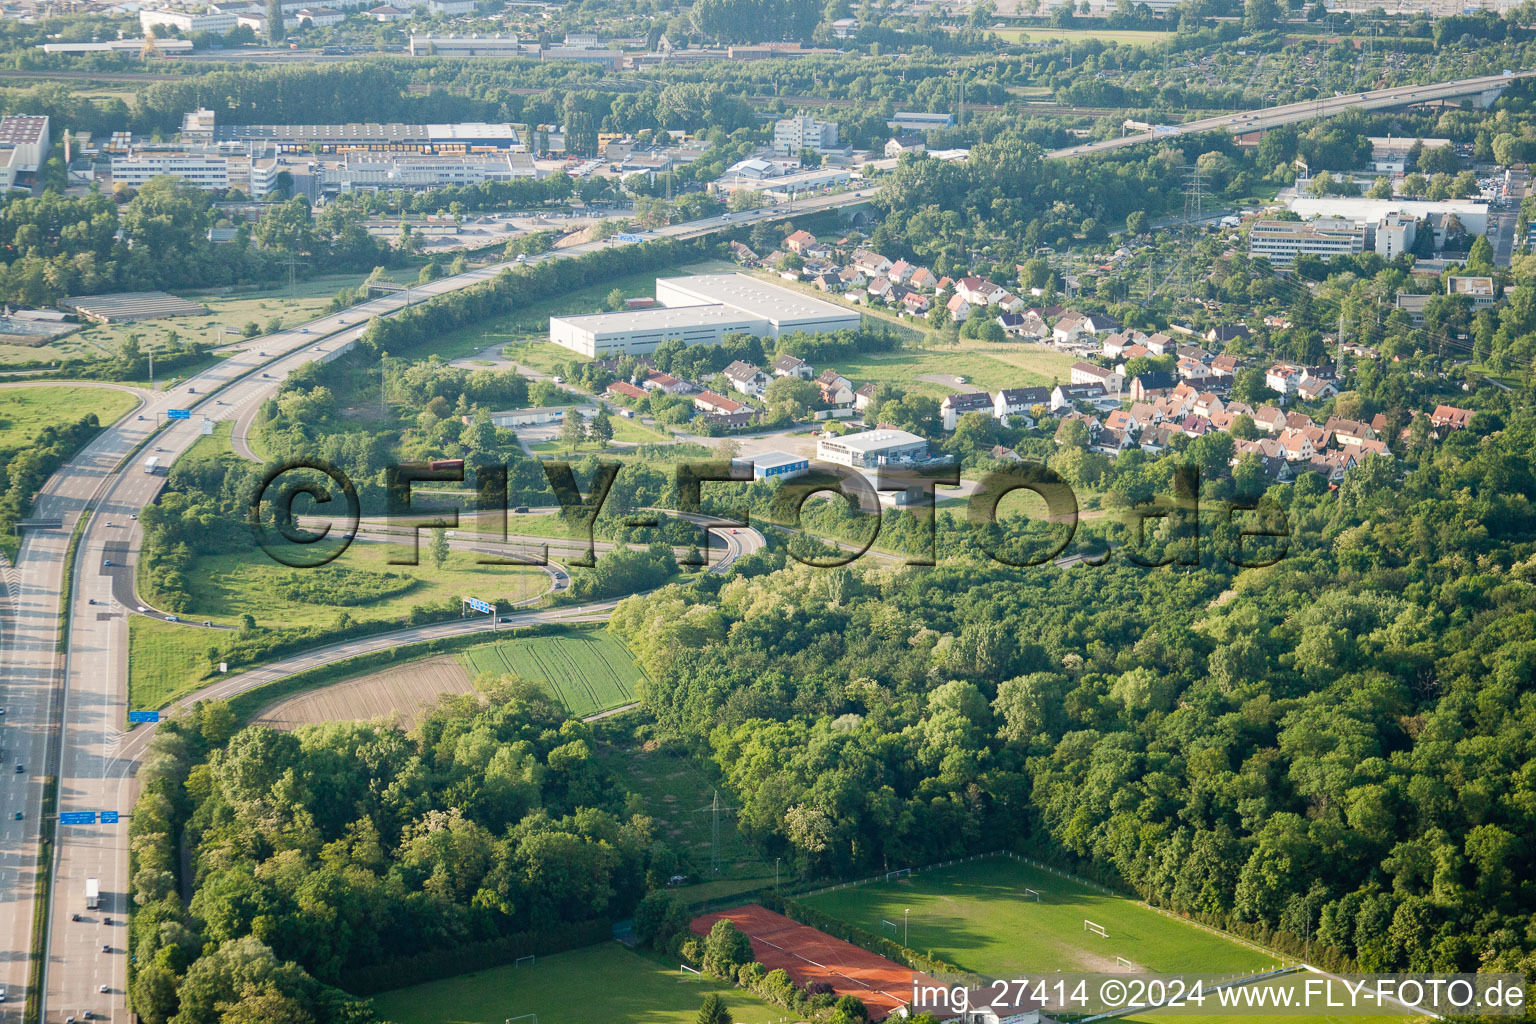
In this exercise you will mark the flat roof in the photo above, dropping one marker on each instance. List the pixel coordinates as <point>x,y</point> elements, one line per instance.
<point>757,297</point>
<point>771,460</point>
<point>658,318</point>
<point>875,440</point>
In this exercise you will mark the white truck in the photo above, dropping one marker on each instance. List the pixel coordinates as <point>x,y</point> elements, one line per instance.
<point>151,464</point>
<point>92,894</point>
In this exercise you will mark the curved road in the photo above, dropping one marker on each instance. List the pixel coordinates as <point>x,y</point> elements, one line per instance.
<point>85,691</point>
<point>65,715</point>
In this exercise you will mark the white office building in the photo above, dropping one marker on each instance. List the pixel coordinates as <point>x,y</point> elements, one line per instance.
<point>1395,235</point>
<point>1281,241</point>
<point>187,21</point>
<point>209,172</point>
<point>1472,214</point>
<point>873,449</point>
<point>700,310</point>
<point>793,134</point>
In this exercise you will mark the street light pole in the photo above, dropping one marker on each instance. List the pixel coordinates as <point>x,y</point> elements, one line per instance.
<point>906,927</point>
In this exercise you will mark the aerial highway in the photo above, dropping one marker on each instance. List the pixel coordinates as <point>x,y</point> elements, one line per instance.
<point>1291,113</point>
<point>66,715</point>
<point>65,710</point>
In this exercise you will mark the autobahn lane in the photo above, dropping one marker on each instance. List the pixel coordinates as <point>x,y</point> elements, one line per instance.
<point>85,965</point>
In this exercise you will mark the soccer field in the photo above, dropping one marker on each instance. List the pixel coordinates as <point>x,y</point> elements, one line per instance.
<point>605,984</point>
<point>977,915</point>
<point>588,670</point>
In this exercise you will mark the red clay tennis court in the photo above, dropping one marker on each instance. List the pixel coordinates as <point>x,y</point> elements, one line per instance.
<point>809,955</point>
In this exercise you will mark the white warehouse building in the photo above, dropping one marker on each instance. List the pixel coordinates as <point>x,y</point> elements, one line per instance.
<point>873,449</point>
<point>700,310</point>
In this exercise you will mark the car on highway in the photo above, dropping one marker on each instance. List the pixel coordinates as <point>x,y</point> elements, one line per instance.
<point>104,989</point>
<point>172,618</point>
<point>18,815</point>
<point>20,768</point>
<point>106,947</point>
<point>107,563</point>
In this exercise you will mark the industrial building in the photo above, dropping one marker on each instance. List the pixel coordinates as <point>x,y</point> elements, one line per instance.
<point>471,46</point>
<point>700,310</point>
<point>873,449</point>
<point>26,136</point>
<point>1472,213</point>
<point>467,137</point>
<point>778,465</point>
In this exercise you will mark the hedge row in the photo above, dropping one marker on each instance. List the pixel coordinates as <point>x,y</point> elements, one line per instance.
<point>446,963</point>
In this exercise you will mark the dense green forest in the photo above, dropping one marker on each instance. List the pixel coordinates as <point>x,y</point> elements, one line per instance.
<point>320,853</point>
<point>1343,738</point>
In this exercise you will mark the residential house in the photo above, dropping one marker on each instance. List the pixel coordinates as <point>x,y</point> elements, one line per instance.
<point>879,288</point>
<point>871,263</point>
<point>1020,402</point>
<point>1193,370</point>
<point>1070,329</point>
<point>864,396</point>
<point>1161,344</point>
<point>792,366</point>
<point>1150,385</point>
<point>1193,352</point>
<point>1065,396</point>
<point>915,303</point>
<point>900,271</point>
<point>1315,389</point>
<point>955,406</point>
<point>664,382</point>
<point>836,390</point>
<point>958,308</point>
<point>1089,422</point>
<point>624,389</point>
<point>709,402</point>
<point>799,242</point>
<point>827,282</point>
<point>1003,454</point>
<point>1268,419</point>
<point>1113,442</point>
<point>1350,433</point>
<point>1089,373</point>
<point>1283,378</point>
<point>923,278</point>
<point>1207,405</point>
<point>1102,323</point>
<point>852,277</point>
<point>1227,332</point>
<point>978,291</point>
<point>1450,416</point>
<point>1022,325</point>
<point>1114,344</point>
<point>1011,303</point>
<point>746,378</point>
<point>1224,368</point>
<point>1298,446</point>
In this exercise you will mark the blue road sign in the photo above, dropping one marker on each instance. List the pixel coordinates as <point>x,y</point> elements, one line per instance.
<point>109,817</point>
<point>178,414</point>
<point>143,716</point>
<point>77,818</point>
<point>479,605</point>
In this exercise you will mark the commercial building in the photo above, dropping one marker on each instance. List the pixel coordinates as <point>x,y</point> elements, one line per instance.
<point>1282,241</point>
<point>915,120</point>
<point>467,137</point>
<point>1395,235</point>
<point>132,47</point>
<point>1478,289</point>
<point>1472,214</point>
<point>208,172</point>
<point>873,449</point>
<point>472,46</point>
<point>26,136</point>
<point>778,466</point>
<point>187,21</point>
<point>359,173</point>
<point>700,310</point>
<point>793,134</point>
<point>538,417</point>
<point>1389,154</point>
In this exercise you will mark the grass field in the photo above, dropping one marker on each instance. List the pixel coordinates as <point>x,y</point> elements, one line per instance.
<point>989,365</point>
<point>307,300</point>
<point>27,412</point>
<point>224,587</point>
<point>605,984</point>
<point>165,661</point>
<point>589,670</point>
<point>976,915</point>
<point>675,793</point>
<point>532,322</point>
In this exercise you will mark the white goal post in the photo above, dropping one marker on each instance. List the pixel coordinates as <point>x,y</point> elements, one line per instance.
<point>1033,894</point>
<point>898,873</point>
<point>884,924</point>
<point>1097,929</point>
<point>532,1018</point>
<point>1124,962</point>
<point>525,961</point>
<point>685,969</point>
